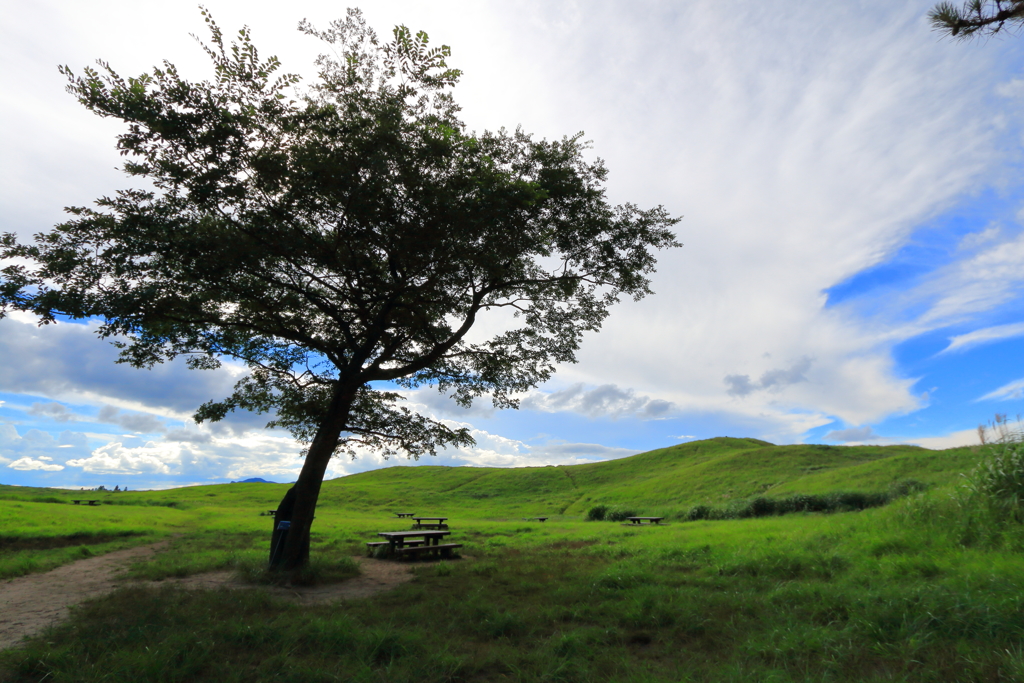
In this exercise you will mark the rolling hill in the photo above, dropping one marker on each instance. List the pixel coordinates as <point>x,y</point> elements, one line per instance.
<point>664,481</point>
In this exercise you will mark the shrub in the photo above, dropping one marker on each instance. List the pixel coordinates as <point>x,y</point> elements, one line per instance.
<point>801,502</point>
<point>758,507</point>
<point>619,515</point>
<point>597,513</point>
<point>699,512</point>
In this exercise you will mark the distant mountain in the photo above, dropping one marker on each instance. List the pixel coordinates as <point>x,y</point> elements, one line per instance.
<point>254,480</point>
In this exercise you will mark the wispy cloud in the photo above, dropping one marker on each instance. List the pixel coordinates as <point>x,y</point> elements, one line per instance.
<point>1007,392</point>
<point>607,400</point>
<point>852,434</point>
<point>962,342</point>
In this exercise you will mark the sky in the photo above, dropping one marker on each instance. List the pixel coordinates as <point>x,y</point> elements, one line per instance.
<point>853,228</point>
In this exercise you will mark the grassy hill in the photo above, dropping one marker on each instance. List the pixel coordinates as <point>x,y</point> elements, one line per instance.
<point>665,481</point>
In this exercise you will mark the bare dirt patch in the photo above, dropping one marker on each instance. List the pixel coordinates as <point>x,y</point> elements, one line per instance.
<point>28,604</point>
<point>376,576</point>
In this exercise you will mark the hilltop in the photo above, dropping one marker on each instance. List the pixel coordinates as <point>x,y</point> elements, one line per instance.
<point>666,480</point>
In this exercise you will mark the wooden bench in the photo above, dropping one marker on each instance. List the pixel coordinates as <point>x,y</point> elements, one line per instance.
<point>88,502</point>
<point>638,521</point>
<point>444,549</point>
<point>430,523</point>
<point>377,544</point>
<point>536,519</point>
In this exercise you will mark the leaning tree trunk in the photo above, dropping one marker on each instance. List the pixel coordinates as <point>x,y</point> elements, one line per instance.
<point>307,488</point>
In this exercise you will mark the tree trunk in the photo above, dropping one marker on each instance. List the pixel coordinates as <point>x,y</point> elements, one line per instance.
<point>307,488</point>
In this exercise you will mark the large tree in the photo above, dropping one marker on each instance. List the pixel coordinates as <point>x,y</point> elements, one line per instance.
<point>342,241</point>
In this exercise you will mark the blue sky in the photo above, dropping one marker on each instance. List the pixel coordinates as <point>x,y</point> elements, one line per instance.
<point>853,208</point>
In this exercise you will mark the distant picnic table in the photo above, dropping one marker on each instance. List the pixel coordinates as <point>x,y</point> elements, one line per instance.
<point>641,520</point>
<point>88,502</point>
<point>430,522</point>
<point>536,519</point>
<point>410,543</point>
<point>404,514</point>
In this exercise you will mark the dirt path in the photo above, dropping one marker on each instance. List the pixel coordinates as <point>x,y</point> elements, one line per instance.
<point>28,604</point>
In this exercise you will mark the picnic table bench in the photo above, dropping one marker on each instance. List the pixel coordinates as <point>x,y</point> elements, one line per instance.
<point>371,545</point>
<point>441,550</point>
<point>537,519</point>
<point>88,502</point>
<point>409,543</point>
<point>635,521</point>
<point>404,514</point>
<point>430,522</point>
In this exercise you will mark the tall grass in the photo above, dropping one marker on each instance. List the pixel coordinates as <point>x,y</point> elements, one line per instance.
<point>986,507</point>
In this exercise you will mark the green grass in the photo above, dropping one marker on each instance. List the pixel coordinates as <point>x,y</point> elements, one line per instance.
<point>897,593</point>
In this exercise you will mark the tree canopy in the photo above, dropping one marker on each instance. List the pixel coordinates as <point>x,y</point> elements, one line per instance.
<point>341,240</point>
<point>986,17</point>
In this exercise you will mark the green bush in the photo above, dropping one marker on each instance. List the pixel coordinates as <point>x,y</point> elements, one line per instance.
<point>698,512</point>
<point>767,507</point>
<point>620,515</point>
<point>597,513</point>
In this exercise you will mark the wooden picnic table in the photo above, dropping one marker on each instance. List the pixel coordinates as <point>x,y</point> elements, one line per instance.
<point>404,543</point>
<point>88,502</point>
<point>404,514</point>
<point>424,522</point>
<point>640,520</point>
<point>399,539</point>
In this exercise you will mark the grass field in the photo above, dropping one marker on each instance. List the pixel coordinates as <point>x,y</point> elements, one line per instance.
<point>904,592</point>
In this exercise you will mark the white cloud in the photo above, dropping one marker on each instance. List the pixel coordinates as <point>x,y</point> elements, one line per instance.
<point>29,464</point>
<point>36,445</point>
<point>1013,88</point>
<point>432,402</point>
<point>562,453</point>
<point>965,437</point>
<point>605,401</point>
<point>114,458</point>
<point>989,278</point>
<point>962,342</point>
<point>803,143</point>
<point>492,450</point>
<point>1011,391</point>
<point>974,240</point>
<point>853,434</point>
